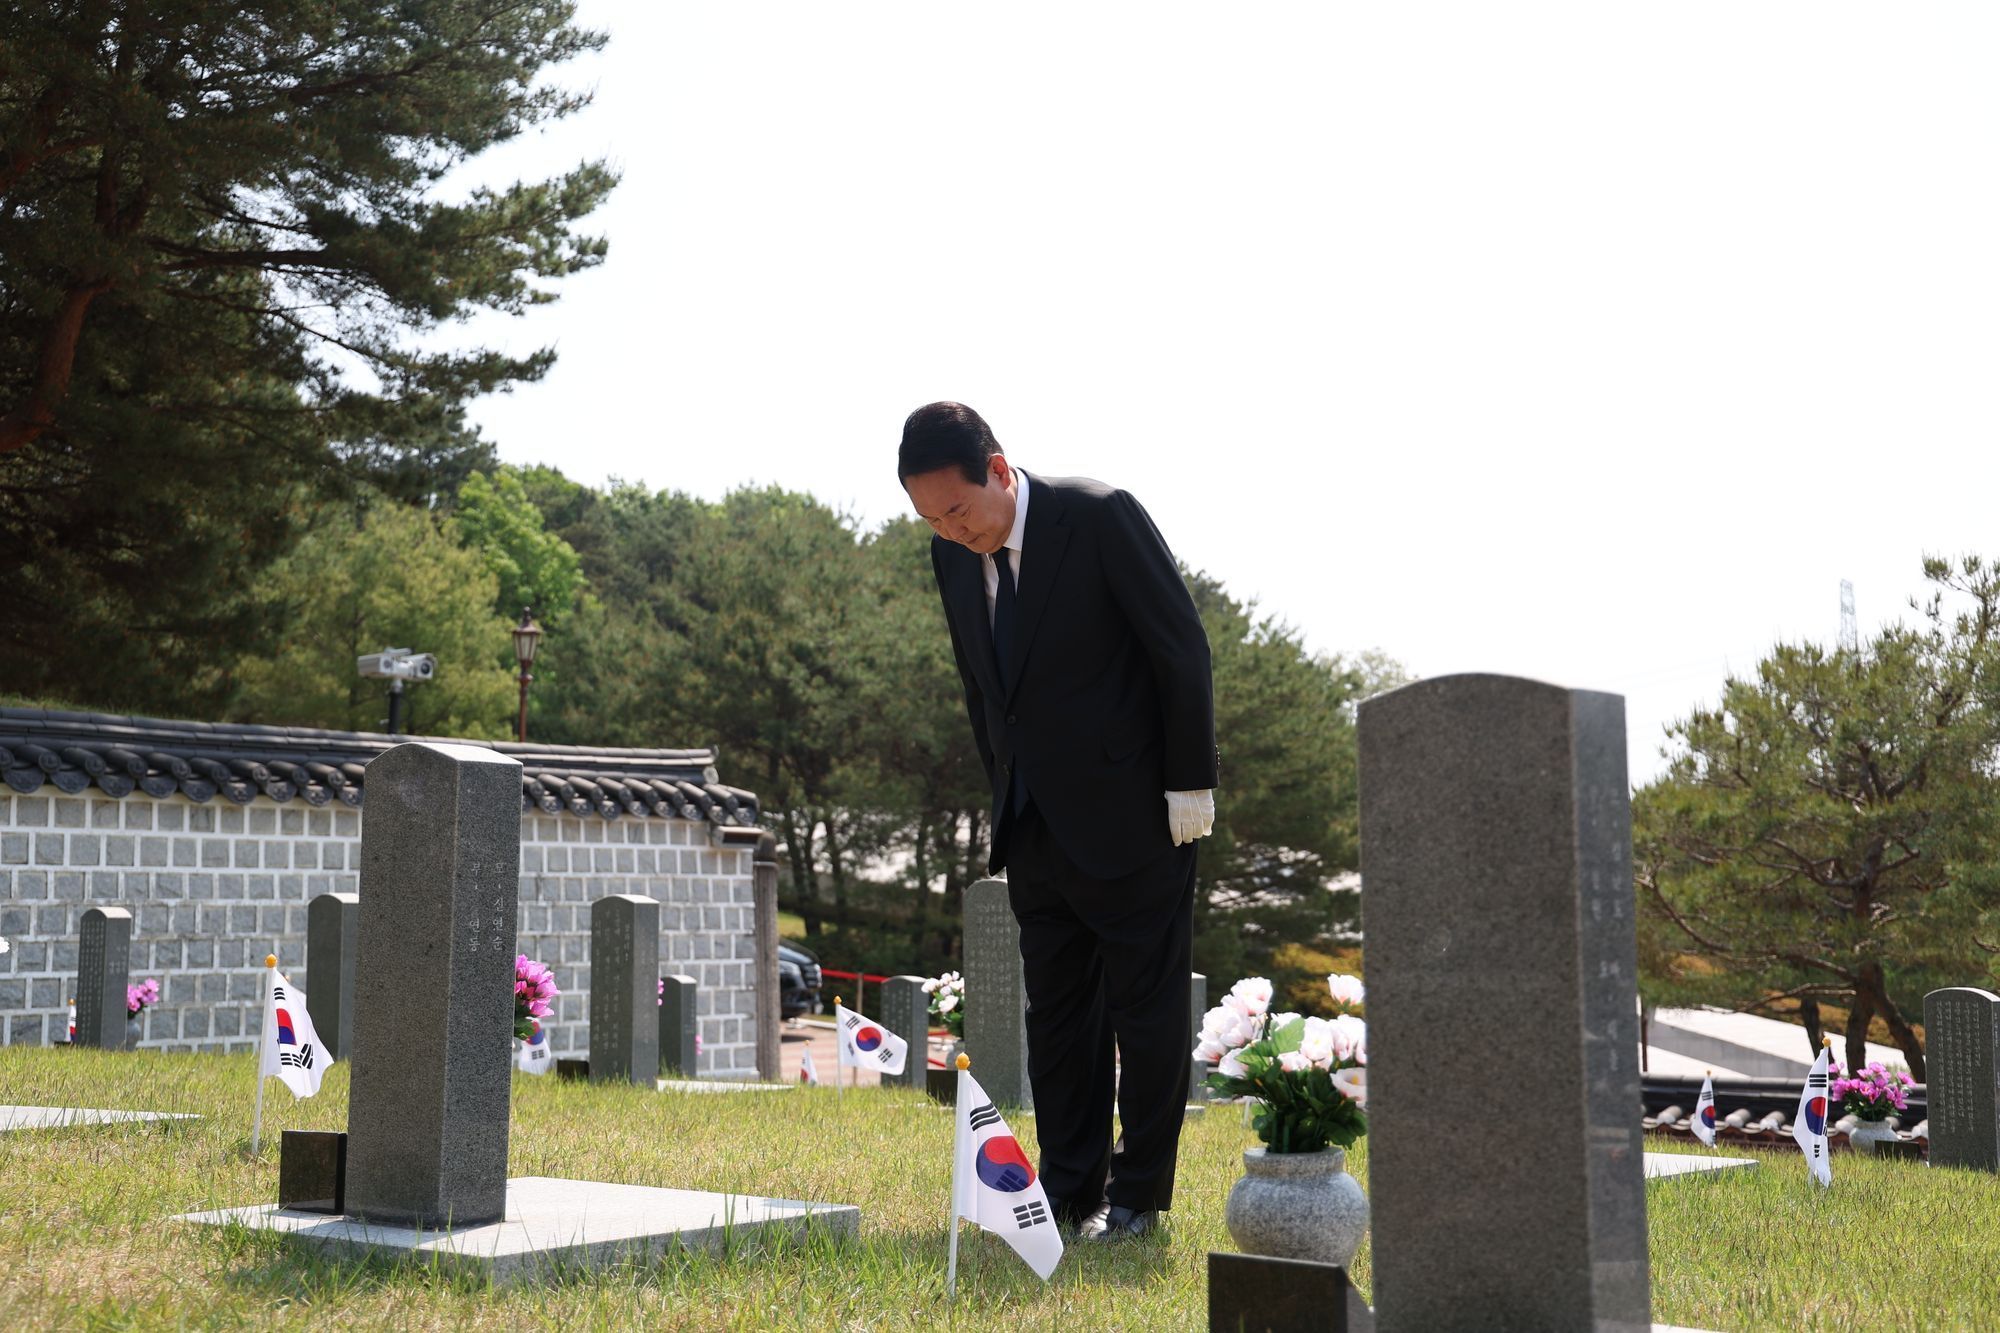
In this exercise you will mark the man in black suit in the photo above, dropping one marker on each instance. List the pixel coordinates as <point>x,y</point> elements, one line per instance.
<point>1087,681</point>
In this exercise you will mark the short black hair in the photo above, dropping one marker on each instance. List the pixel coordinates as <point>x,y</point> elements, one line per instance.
<point>941,435</point>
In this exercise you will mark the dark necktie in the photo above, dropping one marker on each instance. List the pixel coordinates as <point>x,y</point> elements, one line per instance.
<point>1004,616</point>
<point>1005,624</point>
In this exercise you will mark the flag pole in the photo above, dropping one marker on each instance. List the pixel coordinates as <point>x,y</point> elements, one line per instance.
<point>839,1050</point>
<point>964,1063</point>
<point>263,1037</point>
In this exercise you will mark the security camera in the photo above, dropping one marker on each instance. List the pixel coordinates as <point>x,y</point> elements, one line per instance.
<point>397,664</point>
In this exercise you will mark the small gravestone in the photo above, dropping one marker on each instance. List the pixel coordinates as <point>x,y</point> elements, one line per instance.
<point>764,940</point>
<point>333,930</point>
<point>1249,1293</point>
<point>676,1026</point>
<point>1962,1076</point>
<point>1498,905</point>
<point>1197,1008</point>
<point>427,1116</point>
<point>625,989</point>
<point>103,971</point>
<point>906,1011</point>
<point>996,995</point>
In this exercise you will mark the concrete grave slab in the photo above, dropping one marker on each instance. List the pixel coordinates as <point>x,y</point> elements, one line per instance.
<point>555,1225</point>
<point>63,1117</point>
<point>1666,1165</point>
<point>717,1085</point>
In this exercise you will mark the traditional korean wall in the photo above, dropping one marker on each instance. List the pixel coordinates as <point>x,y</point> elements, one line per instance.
<point>214,887</point>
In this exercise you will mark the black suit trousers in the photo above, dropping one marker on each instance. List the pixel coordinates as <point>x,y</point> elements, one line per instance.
<point>1106,961</point>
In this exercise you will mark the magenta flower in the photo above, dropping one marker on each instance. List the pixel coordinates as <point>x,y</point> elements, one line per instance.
<point>534,994</point>
<point>139,997</point>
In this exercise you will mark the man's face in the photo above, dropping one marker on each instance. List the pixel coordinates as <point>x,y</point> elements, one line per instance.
<point>978,518</point>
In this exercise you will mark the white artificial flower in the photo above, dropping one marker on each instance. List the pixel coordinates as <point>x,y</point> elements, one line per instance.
<point>930,987</point>
<point>4,946</point>
<point>1317,1043</point>
<point>947,1004</point>
<point>1350,1041</point>
<point>1208,1050</point>
<point>1346,989</point>
<point>1231,1067</point>
<point>1352,1084</point>
<point>1280,1021</point>
<point>1294,1061</point>
<point>1252,994</point>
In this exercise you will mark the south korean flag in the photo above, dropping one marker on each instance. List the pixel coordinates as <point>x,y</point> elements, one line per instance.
<point>532,1055</point>
<point>1809,1124</point>
<point>1704,1112</point>
<point>995,1186</point>
<point>291,1047</point>
<point>865,1045</point>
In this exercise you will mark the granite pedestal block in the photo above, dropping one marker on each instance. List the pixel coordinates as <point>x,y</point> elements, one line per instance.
<point>1962,1065</point>
<point>312,1171</point>
<point>1198,1070</point>
<point>764,945</point>
<point>1249,1293</point>
<point>567,1067</point>
<point>1498,905</point>
<point>432,1068</point>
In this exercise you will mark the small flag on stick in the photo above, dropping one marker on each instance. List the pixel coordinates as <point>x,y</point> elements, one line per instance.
<point>287,1046</point>
<point>1809,1124</point>
<point>866,1045</point>
<point>807,1074</point>
<point>994,1185</point>
<point>1704,1111</point>
<point>532,1055</point>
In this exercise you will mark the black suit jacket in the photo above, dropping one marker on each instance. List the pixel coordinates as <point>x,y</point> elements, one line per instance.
<point>1112,705</point>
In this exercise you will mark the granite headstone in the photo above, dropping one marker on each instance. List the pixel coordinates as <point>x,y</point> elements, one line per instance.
<point>996,995</point>
<point>625,989</point>
<point>764,940</point>
<point>427,1116</point>
<point>906,1011</point>
<point>1498,904</point>
<point>679,1020</point>
<point>1962,1076</point>
<point>103,971</point>
<point>333,932</point>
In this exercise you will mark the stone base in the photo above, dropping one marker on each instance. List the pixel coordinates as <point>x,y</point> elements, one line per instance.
<point>1661,1165</point>
<point>556,1226</point>
<point>62,1117</point>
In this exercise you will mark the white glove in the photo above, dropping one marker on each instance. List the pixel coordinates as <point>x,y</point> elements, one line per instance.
<point>1190,815</point>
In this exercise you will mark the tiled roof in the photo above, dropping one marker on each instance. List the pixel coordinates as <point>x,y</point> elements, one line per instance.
<point>201,760</point>
<point>1757,1112</point>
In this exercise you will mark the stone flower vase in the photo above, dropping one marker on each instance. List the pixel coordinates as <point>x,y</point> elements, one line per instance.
<point>1297,1205</point>
<point>1867,1133</point>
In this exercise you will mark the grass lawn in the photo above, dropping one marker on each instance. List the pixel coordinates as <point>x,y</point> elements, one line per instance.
<point>84,1243</point>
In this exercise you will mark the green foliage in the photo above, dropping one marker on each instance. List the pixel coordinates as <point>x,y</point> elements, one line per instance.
<point>1826,831</point>
<point>387,575</point>
<point>1286,810</point>
<point>535,567</point>
<point>220,229</point>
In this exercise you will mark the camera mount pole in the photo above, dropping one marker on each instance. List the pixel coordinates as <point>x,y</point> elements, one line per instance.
<point>395,707</point>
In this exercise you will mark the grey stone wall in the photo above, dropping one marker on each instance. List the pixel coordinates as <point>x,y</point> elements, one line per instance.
<point>214,887</point>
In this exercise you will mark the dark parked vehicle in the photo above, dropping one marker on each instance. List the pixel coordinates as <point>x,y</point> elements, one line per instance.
<point>798,980</point>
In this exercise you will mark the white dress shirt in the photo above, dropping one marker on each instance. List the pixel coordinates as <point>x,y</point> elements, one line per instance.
<point>991,570</point>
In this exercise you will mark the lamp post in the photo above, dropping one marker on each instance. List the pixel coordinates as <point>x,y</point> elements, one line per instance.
<point>527,635</point>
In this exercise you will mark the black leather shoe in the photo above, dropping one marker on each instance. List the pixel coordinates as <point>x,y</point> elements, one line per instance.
<point>1115,1221</point>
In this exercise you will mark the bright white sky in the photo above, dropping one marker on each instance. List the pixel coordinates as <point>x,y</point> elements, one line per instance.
<point>1590,342</point>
